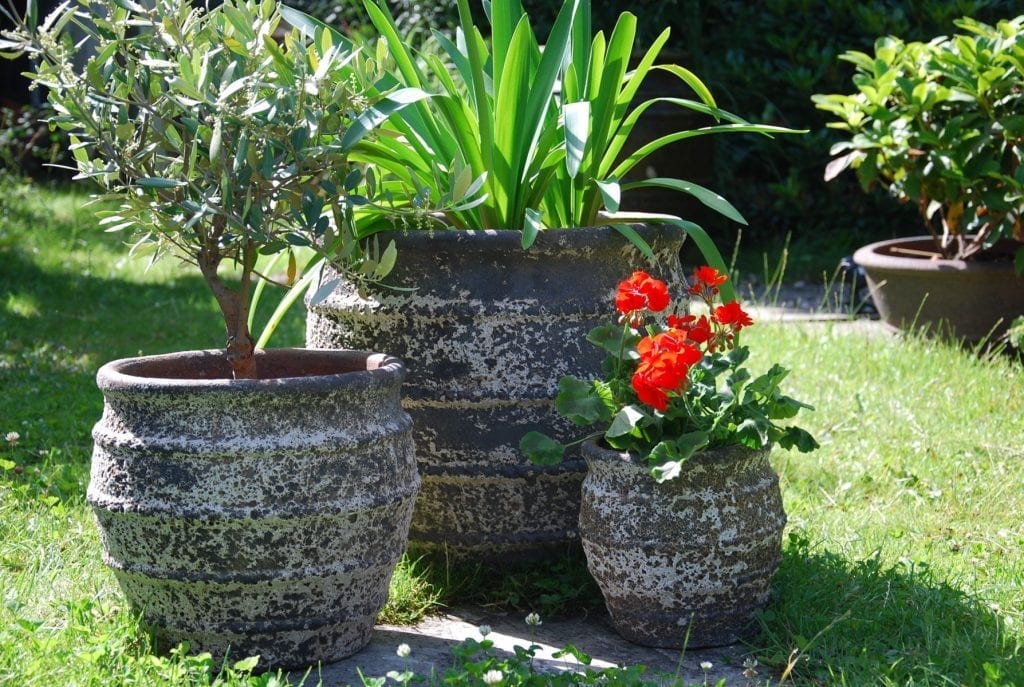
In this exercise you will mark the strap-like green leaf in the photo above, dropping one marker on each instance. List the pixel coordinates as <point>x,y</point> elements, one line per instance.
<point>373,116</point>
<point>704,195</point>
<point>577,129</point>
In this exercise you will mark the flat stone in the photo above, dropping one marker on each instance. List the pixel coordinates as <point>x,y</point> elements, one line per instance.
<point>431,641</point>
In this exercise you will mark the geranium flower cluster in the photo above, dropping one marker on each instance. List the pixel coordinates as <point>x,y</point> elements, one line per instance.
<point>673,383</point>
<point>667,356</point>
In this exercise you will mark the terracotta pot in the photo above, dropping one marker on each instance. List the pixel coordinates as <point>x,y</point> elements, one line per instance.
<point>487,329</point>
<point>969,300</point>
<point>255,516</point>
<point>687,562</point>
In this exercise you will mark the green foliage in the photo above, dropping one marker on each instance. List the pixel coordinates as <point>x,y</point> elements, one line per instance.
<point>939,125</point>
<point>521,138</point>
<point>27,146</point>
<point>763,60</point>
<point>904,569</point>
<point>481,663</point>
<point>671,391</point>
<point>217,141</point>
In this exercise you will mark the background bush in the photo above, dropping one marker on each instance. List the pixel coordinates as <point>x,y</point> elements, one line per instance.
<point>762,61</point>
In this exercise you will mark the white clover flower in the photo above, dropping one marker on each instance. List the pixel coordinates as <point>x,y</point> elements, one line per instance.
<point>533,620</point>
<point>12,438</point>
<point>403,651</point>
<point>706,665</point>
<point>485,630</point>
<point>493,677</point>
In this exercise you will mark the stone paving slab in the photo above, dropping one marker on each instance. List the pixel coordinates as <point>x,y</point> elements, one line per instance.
<point>432,639</point>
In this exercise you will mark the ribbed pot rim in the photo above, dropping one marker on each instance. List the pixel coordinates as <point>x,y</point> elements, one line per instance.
<point>877,256</point>
<point>718,454</point>
<point>511,239</point>
<point>333,369</point>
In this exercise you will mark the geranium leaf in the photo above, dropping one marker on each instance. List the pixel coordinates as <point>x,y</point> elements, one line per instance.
<point>541,449</point>
<point>666,471</point>
<point>625,422</point>
<point>615,339</point>
<point>799,438</point>
<point>583,402</point>
<point>753,432</point>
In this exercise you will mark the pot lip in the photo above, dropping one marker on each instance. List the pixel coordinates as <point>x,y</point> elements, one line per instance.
<point>371,368</point>
<point>593,449</point>
<point>875,256</point>
<point>554,238</point>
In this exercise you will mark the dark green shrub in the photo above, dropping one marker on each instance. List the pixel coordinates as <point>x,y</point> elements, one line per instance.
<point>28,147</point>
<point>763,60</point>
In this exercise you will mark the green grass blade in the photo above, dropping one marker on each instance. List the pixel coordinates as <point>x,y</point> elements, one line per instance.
<point>477,57</point>
<point>293,294</point>
<point>637,240</point>
<point>506,16</point>
<point>384,23</point>
<point>512,129</point>
<point>580,43</point>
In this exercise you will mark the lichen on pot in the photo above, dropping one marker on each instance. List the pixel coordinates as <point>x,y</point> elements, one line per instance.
<point>255,516</point>
<point>689,561</point>
<point>487,329</point>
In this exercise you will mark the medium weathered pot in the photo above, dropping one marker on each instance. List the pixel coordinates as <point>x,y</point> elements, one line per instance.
<point>487,333</point>
<point>255,516</point>
<point>970,300</point>
<point>687,562</point>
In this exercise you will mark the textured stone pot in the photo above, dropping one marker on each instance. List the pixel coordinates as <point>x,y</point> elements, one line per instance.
<point>689,561</point>
<point>257,516</point>
<point>487,333</point>
<point>967,299</point>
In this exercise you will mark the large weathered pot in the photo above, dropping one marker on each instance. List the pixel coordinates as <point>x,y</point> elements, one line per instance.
<point>969,300</point>
<point>257,516</point>
<point>487,333</point>
<point>687,562</point>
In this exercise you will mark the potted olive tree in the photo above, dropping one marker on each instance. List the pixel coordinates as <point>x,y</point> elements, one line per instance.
<point>520,144</point>
<point>249,501</point>
<point>939,125</point>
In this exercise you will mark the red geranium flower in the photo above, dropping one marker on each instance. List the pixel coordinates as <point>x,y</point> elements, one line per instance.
<point>697,330</point>
<point>732,315</point>
<point>665,361</point>
<point>706,277</point>
<point>641,291</point>
<point>649,393</point>
<point>672,341</point>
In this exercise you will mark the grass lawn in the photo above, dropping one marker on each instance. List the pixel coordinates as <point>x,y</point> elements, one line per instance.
<point>903,557</point>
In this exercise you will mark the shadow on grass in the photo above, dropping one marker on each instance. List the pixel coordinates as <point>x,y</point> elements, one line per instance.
<point>59,327</point>
<point>867,622</point>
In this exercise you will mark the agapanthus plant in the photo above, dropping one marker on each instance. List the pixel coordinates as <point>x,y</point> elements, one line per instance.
<point>674,385</point>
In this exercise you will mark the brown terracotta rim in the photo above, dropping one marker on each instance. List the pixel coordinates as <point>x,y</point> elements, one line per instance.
<point>885,255</point>
<point>296,368</point>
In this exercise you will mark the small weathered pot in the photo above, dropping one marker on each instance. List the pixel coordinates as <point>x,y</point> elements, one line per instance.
<point>688,562</point>
<point>487,329</point>
<point>969,300</point>
<point>255,516</point>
